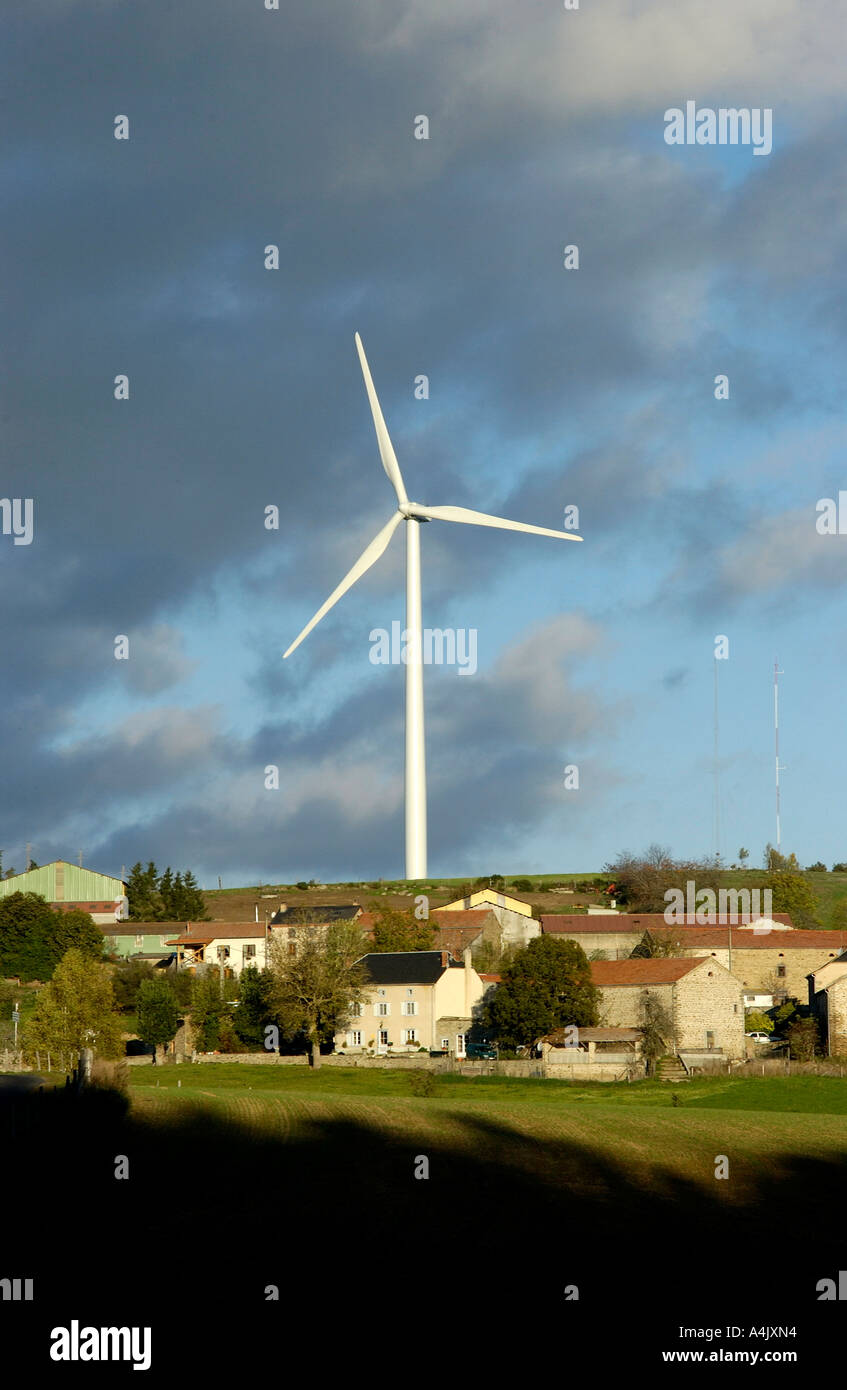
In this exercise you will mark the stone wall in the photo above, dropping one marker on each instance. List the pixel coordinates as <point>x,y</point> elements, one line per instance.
<point>709,1000</point>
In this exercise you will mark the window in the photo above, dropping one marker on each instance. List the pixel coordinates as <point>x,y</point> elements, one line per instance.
<point>383,1010</point>
<point>383,1037</point>
<point>445,1044</point>
<point>710,1040</point>
<point>410,991</point>
<point>380,991</point>
<point>410,1008</point>
<point>139,940</point>
<point>409,1035</point>
<point>780,970</point>
<point>357,1010</point>
<point>292,948</point>
<point>354,1038</point>
<point>249,952</point>
<point>292,933</point>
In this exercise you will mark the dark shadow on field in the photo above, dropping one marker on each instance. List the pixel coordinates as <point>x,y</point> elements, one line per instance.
<point>212,1214</point>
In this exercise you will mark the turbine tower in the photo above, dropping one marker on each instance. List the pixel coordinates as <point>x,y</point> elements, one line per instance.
<point>413,513</point>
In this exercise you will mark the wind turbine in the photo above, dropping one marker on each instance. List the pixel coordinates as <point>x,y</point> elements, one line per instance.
<point>413,513</point>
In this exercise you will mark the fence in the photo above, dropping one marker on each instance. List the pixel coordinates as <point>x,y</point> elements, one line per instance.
<point>779,1066</point>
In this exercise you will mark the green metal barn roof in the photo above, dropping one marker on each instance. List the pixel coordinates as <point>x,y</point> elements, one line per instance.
<point>64,882</point>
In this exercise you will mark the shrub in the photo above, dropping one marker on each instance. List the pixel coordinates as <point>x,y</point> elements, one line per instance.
<point>422,1083</point>
<point>302,886</point>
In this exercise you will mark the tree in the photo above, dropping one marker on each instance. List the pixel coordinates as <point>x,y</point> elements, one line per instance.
<point>398,930</point>
<point>743,855</point>
<point>75,1010</point>
<point>657,1031</point>
<point>158,1014</point>
<point>546,986</point>
<point>794,894</point>
<point>803,1039</point>
<point>775,862</point>
<point>255,1009</point>
<point>490,881</point>
<point>757,1022</point>
<point>657,945</point>
<point>839,868</point>
<point>817,868</point>
<point>127,978</point>
<point>34,938</point>
<point>312,992</point>
<point>207,1009</point>
<point>167,897</point>
<point>640,881</point>
<point>145,902</point>
<point>785,1013</point>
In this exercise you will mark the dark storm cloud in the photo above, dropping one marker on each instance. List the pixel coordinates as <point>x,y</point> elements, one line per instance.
<point>145,258</point>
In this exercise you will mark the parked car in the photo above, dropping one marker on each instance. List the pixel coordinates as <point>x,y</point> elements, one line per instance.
<point>759,1037</point>
<point>482,1051</point>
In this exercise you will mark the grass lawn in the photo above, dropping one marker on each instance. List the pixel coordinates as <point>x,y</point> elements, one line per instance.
<point>767,1127</point>
<point>791,1095</point>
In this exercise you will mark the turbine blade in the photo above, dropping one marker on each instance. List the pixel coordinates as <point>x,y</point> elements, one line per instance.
<point>366,559</point>
<point>386,449</point>
<point>482,519</point>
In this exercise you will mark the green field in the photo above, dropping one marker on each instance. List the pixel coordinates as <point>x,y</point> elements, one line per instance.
<point>766,1126</point>
<point>245,1175</point>
<point>821,1095</point>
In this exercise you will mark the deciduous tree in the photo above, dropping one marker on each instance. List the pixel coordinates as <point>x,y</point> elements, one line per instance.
<point>76,1010</point>
<point>158,1014</point>
<point>546,986</point>
<point>312,992</point>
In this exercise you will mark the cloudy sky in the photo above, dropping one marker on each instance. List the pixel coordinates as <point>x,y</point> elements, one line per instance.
<point>548,388</point>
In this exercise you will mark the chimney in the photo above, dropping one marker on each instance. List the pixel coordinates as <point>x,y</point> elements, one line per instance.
<point>444,955</point>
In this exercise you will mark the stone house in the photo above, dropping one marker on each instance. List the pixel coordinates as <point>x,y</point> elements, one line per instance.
<point>701,998</point>
<point>828,1000</point>
<point>416,999</point>
<point>773,962</point>
<point>615,937</point>
<point>517,926</point>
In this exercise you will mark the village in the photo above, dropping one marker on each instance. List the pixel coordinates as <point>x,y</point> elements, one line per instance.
<point>700,980</point>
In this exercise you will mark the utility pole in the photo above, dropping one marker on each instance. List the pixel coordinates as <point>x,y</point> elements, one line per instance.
<point>79,857</point>
<point>776,675</point>
<point>28,855</point>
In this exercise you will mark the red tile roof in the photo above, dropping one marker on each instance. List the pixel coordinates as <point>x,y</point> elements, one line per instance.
<point>455,939</point>
<point>746,939</point>
<point>205,932</point>
<point>569,922</point>
<point>641,971</point>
